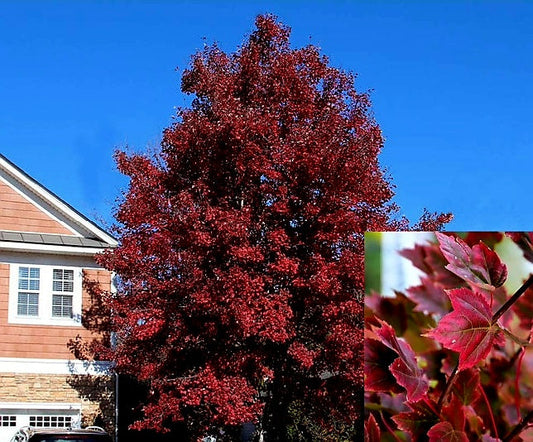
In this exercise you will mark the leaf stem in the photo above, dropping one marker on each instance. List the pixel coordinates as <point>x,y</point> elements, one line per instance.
<point>519,427</point>
<point>489,408</point>
<point>512,300</point>
<point>517,384</point>
<point>391,431</point>
<point>514,338</point>
<point>449,384</point>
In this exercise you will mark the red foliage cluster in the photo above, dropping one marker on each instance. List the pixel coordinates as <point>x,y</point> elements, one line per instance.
<point>457,365</point>
<point>240,264</point>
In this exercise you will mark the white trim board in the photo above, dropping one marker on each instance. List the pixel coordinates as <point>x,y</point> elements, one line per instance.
<point>40,406</point>
<point>65,250</point>
<point>54,366</point>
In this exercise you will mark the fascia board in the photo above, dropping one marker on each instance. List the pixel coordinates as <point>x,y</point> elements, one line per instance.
<point>40,248</point>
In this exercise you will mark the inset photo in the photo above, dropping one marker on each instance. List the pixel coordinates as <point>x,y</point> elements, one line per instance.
<point>448,336</point>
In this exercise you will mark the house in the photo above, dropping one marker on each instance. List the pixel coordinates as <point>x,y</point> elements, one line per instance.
<point>46,248</point>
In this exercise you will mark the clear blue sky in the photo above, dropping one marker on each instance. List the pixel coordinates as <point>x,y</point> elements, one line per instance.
<point>452,89</point>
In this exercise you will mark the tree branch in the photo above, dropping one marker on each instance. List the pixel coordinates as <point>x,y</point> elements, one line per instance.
<point>519,427</point>
<point>512,300</point>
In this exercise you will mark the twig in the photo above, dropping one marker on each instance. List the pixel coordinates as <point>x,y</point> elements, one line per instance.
<point>519,427</point>
<point>512,300</point>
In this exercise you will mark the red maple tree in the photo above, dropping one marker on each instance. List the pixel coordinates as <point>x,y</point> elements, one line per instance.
<point>240,264</point>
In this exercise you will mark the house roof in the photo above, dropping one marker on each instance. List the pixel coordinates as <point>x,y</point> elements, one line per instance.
<point>69,230</point>
<point>50,239</point>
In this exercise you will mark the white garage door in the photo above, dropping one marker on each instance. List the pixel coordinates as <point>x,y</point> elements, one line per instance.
<point>12,418</point>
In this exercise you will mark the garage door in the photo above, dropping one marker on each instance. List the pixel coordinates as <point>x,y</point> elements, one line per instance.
<point>11,419</point>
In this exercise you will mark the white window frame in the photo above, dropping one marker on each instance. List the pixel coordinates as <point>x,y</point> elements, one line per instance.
<point>63,292</point>
<point>46,293</point>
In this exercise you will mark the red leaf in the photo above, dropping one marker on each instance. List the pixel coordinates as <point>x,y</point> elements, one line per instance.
<point>524,309</point>
<point>372,431</point>
<point>454,413</point>
<point>467,329</point>
<point>466,386</point>
<point>489,238</point>
<point>404,368</point>
<point>479,265</point>
<point>418,421</point>
<point>378,358</point>
<point>429,259</point>
<point>429,297</point>
<point>453,425</point>
<point>444,432</point>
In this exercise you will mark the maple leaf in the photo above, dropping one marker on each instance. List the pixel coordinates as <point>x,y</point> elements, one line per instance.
<point>452,429</point>
<point>479,265</point>
<point>418,421</point>
<point>429,297</point>
<point>444,432</point>
<point>489,238</point>
<point>429,259</point>
<point>404,368</point>
<point>467,329</point>
<point>372,431</point>
<point>378,359</point>
<point>466,386</point>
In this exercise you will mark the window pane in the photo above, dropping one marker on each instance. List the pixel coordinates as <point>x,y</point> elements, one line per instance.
<point>23,272</point>
<point>28,304</point>
<point>29,278</point>
<point>8,421</point>
<point>63,280</point>
<point>22,306</point>
<point>23,278</point>
<point>50,421</point>
<point>62,306</point>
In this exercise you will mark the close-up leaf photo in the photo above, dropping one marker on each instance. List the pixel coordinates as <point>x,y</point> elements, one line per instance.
<point>448,348</point>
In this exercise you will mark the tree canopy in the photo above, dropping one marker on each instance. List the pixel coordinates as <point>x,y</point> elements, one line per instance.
<point>240,264</point>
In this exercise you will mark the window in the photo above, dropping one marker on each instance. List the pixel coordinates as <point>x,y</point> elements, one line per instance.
<point>45,295</point>
<point>8,421</point>
<point>63,282</point>
<point>50,421</point>
<point>28,295</point>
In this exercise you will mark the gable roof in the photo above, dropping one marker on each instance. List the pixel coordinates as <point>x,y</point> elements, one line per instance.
<point>34,218</point>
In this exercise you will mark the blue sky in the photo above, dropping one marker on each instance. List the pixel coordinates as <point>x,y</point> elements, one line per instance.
<point>452,91</point>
